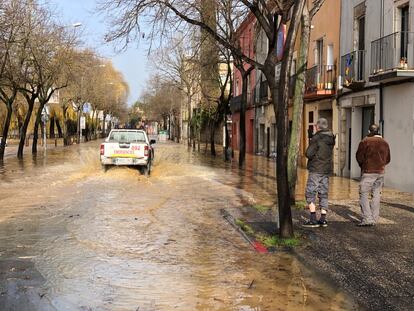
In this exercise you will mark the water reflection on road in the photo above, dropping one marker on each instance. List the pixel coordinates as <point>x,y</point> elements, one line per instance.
<point>120,241</point>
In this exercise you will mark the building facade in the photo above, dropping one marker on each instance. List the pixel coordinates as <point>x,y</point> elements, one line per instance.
<point>265,119</point>
<point>377,79</point>
<point>245,33</point>
<point>321,76</point>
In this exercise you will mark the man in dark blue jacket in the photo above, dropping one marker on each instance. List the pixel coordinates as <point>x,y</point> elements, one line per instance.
<point>319,154</point>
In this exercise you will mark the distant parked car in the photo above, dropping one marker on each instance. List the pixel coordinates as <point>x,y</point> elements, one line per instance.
<point>128,147</point>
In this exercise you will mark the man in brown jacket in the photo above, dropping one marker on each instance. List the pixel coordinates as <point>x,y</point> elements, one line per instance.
<point>372,156</point>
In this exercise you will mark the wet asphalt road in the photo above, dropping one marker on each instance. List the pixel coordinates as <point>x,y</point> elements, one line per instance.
<point>75,238</point>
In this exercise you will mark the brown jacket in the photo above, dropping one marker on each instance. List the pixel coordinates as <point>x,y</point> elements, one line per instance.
<point>373,154</point>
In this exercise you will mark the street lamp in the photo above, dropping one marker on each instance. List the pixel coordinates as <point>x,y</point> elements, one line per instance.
<point>74,25</point>
<point>45,119</point>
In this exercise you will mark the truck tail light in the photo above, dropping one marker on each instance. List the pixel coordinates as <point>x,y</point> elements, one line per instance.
<point>146,151</point>
<point>102,149</point>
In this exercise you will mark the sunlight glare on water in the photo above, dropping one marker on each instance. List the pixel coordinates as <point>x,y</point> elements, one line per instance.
<point>121,241</point>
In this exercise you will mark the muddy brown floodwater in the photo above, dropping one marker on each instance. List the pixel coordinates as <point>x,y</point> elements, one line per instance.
<point>75,238</point>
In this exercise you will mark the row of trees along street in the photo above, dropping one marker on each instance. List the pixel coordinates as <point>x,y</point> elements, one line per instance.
<point>201,35</point>
<point>39,59</point>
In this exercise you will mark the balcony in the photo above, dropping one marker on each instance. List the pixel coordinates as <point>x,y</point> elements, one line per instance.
<point>353,70</point>
<point>392,58</point>
<point>320,82</point>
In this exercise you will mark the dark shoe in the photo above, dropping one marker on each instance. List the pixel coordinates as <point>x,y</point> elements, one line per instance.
<point>323,223</point>
<point>311,224</point>
<point>365,224</point>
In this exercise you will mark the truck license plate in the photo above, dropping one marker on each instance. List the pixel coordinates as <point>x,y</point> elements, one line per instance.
<point>123,161</point>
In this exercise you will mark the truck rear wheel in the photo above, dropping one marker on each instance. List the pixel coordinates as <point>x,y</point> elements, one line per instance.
<point>147,169</point>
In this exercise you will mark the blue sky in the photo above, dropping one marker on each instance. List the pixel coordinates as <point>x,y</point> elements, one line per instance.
<point>132,63</point>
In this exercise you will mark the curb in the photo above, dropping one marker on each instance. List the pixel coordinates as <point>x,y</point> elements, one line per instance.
<point>258,246</point>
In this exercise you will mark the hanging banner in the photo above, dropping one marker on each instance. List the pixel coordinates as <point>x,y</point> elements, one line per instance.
<point>281,40</point>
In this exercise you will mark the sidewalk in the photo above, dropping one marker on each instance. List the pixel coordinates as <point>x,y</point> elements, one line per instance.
<point>13,145</point>
<point>375,264</point>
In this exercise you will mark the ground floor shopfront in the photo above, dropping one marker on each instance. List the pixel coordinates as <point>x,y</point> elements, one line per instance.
<point>395,115</point>
<point>313,110</point>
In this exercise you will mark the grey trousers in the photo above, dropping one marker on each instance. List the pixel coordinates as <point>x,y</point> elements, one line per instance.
<point>317,185</point>
<point>370,184</point>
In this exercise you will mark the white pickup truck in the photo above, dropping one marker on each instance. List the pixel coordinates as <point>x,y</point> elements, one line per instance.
<point>128,147</point>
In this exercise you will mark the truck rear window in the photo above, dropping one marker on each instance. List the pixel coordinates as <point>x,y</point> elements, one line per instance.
<point>127,137</point>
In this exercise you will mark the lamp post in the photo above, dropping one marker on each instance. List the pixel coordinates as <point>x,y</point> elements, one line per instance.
<point>45,119</point>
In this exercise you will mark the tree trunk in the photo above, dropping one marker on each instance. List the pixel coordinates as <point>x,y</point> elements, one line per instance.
<point>96,123</point>
<point>242,121</point>
<point>6,129</point>
<point>104,125</point>
<point>212,137</point>
<point>280,105</point>
<point>193,135</point>
<point>169,127</point>
<point>189,126</point>
<point>36,128</point>
<point>23,132</point>
<point>207,136</point>
<point>59,128</point>
<point>65,128</point>
<point>298,104</point>
<point>178,130</point>
<point>52,127</point>
<point>198,139</point>
<point>79,130</point>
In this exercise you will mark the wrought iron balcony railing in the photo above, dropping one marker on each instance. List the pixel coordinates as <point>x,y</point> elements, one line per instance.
<point>320,81</point>
<point>392,52</point>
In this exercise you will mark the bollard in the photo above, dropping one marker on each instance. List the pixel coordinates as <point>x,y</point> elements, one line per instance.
<point>55,142</point>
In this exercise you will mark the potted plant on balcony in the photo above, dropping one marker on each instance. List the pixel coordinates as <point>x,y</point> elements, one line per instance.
<point>403,63</point>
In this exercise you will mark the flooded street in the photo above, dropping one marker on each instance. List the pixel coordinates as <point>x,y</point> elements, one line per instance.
<point>75,238</point>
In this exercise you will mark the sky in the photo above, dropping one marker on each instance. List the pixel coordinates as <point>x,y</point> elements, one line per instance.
<point>133,63</point>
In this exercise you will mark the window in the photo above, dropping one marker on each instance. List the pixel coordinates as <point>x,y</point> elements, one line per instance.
<point>319,53</point>
<point>330,56</point>
<point>368,118</point>
<point>404,11</point>
<point>359,26</point>
<point>310,116</point>
<point>361,33</point>
<point>127,136</point>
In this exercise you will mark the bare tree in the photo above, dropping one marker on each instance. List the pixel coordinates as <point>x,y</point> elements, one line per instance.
<point>272,16</point>
<point>161,101</point>
<point>47,56</point>
<point>53,58</point>
<point>11,59</point>
<point>177,63</point>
